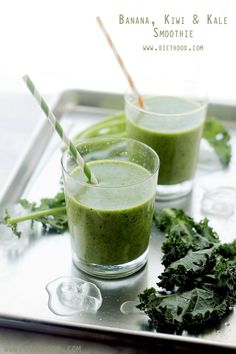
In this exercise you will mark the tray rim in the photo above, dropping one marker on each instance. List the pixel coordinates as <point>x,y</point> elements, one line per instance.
<point>96,331</point>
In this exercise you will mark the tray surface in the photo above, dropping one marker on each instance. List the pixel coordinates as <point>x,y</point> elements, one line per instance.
<point>28,265</point>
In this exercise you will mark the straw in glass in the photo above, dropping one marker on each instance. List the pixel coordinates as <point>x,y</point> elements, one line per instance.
<point>56,125</point>
<point>120,61</point>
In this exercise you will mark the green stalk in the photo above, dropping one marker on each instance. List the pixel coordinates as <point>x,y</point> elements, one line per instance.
<point>108,123</point>
<point>36,215</point>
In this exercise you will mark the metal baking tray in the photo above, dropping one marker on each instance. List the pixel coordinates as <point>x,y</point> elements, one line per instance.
<point>34,261</point>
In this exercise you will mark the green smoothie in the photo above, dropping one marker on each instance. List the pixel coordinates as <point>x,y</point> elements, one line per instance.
<point>174,134</point>
<point>110,223</point>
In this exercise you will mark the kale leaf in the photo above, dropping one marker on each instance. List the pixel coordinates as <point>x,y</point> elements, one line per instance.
<point>51,213</point>
<point>210,265</point>
<point>219,138</point>
<point>190,310</point>
<point>13,227</point>
<point>183,234</point>
<point>183,272</point>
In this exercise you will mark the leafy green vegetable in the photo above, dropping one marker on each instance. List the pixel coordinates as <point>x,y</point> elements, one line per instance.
<point>13,227</point>
<point>183,234</point>
<point>182,273</point>
<point>112,126</point>
<point>199,281</point>
<point>51,212</point>
<point>218,137</point>
<point>214,132</point>
<point>198,267</point>
<point>190,310</point>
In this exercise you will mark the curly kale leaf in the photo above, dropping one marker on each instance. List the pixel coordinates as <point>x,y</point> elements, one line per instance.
<point>190,310</point>
<point>216,265</point>
<point>13,227</point>
<point>51,213</point>
<point>183,234</point>
<point>165,218</point>
<point>224,271</point>
<point>219,138</point>
<point>55,218</point>
<point>184,272</point>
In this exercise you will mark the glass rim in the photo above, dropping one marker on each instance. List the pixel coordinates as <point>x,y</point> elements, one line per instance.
<point>129,93</point>
<point>94,139</point>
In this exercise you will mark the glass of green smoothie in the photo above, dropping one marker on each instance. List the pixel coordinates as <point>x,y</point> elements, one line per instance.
<point>110,222</point>
<point>170,122</point>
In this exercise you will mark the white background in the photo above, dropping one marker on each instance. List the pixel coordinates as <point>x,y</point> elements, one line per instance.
<point>59,44</point>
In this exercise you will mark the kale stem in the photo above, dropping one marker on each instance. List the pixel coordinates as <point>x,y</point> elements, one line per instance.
<point>36,215</point>
<point>105,123</point>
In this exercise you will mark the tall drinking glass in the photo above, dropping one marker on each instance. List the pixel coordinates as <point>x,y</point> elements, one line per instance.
<point>171,122</point>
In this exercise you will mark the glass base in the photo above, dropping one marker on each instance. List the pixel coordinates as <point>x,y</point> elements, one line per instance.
<point>174,191</point>
<point>111,271</point>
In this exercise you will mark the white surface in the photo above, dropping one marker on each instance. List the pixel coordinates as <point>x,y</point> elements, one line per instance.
<point>59,43</point>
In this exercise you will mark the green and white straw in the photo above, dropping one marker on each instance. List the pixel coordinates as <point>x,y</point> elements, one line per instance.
<point>56,125</point>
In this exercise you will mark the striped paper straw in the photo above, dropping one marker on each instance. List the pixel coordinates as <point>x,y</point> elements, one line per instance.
<point>56,125</point>
<point>120,61</point>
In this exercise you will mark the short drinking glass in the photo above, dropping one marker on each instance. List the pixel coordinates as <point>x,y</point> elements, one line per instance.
<point>110,223</point>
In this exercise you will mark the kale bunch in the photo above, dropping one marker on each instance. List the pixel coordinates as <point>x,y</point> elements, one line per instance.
<point>199,280</point>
